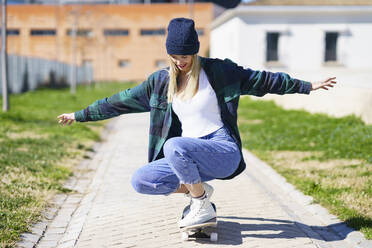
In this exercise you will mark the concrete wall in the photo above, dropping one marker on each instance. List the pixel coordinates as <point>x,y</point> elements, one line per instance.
<point>301,52</point>
<point>225,41</point>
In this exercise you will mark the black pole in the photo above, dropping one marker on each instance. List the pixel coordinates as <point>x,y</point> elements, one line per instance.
<point>4,71</point>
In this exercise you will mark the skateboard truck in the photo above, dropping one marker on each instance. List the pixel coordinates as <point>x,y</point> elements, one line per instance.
<point>202,231</point>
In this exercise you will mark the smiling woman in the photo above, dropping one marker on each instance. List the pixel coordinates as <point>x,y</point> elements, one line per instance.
<point>183,62</point>
<point>183,76</point>
<point>194,136</point>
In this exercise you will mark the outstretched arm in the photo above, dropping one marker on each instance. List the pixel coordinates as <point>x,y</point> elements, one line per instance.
<point>259,83</point>
<point>134,100</point>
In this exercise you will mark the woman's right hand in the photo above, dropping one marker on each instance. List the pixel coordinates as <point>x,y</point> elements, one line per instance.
<point>66,119</point>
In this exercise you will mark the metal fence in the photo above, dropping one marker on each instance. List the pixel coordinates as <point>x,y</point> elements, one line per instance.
<point>28,73</point>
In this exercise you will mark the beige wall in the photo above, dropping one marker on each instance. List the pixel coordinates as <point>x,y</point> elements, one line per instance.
<point>104,52</point>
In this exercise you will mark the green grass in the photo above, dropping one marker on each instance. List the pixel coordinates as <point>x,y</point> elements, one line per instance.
<point>37,154</point>
<point>327,158</point>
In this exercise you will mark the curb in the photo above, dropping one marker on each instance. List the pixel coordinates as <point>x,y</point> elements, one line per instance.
<point>55,224</point>
<point>339,228</point>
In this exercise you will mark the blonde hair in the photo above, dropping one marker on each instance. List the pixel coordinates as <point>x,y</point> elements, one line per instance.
<point>192,81</point>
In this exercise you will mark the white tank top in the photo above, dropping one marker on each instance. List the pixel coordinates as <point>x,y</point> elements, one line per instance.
<point>199,115</point>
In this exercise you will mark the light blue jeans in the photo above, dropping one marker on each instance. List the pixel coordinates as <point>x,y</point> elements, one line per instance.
<point>189,161</point>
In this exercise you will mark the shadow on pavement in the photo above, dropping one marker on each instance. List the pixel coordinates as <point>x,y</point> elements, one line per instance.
<point>232,233</point>
<point>229,233</point>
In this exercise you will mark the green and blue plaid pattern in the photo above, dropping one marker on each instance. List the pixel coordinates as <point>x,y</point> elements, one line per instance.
<point>229,82</point>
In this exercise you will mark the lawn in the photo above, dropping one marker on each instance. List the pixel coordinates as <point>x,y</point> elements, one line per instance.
<point>325,157</point>
<point>37,154</point>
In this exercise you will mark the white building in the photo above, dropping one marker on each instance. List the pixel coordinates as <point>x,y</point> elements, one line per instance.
<point>307,41</point>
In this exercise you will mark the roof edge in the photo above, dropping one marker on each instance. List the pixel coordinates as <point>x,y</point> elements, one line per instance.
<point>243,9</point>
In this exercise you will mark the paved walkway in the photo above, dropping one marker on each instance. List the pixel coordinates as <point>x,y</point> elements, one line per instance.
<point>257,209</point>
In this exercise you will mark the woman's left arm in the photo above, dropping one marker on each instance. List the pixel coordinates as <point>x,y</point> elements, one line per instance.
<point>259,83</point>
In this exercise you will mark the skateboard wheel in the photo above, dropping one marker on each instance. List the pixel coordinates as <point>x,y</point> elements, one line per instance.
<point>214,237</point>
<point>185,236</point>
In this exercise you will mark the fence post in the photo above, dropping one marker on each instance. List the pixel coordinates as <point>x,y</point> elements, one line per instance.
<point>3,58</point>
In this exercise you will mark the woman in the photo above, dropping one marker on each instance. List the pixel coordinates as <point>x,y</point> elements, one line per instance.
<point>194,135</point>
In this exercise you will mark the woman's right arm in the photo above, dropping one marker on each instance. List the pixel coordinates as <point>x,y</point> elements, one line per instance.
<point>134,100</point>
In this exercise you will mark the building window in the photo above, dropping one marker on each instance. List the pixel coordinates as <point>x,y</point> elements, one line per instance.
<point>200,31</point>
<point>161,63</point>
<point>331,47</point>
<point>272,40</point>
<point>12,32</point>
<point>87,62</point>
<point>158,31</point>
<point>116,32</point>
<point>43,32</point>
<point>124,63</point>
<point>81,32</point>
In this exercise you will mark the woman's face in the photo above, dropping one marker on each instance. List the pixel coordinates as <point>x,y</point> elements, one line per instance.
<point>183,62</point>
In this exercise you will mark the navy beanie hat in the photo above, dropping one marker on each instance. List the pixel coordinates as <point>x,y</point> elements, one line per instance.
<point>182,38</point>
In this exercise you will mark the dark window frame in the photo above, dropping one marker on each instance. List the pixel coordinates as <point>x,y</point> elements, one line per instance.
<point>152,31</point>
<point>81,32</point>
<point>200,31</point>
<point>87,62</point>
<point>116,32</point>
<point>330,46</point>
<point>12,31</point>
<point>43,32</point>
<point>272,46</point>
<point>121,63</point>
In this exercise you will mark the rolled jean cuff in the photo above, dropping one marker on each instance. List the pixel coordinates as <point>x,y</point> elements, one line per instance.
<point>196,181</point>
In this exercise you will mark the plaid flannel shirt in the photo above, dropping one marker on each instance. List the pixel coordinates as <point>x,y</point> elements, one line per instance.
<point>228,80</point>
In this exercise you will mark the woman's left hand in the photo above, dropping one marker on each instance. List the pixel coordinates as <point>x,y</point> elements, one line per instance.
<point>325,84</point>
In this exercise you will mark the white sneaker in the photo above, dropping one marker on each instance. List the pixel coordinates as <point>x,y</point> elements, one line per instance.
<point>208,190</point>
<point>201,211</point>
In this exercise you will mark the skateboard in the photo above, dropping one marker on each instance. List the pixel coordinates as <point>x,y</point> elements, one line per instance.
<point>206,230</point>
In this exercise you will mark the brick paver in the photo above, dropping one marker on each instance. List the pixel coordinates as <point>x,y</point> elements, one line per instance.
<point>253,210</point>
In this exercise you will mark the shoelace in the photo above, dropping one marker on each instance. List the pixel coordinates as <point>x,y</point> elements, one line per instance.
<point>199,207</point>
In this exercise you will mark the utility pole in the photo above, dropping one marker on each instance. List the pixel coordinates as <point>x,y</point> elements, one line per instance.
<point>4,71</point>
<point>58,22</point>
<point>191,2</point>
<point>73,52</point>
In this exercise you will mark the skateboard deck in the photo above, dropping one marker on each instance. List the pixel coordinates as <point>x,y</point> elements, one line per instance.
<point>206,230</point>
